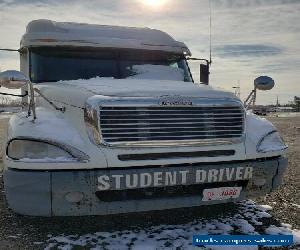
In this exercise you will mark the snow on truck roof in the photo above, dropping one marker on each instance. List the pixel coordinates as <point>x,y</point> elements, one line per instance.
<point>49,33</point>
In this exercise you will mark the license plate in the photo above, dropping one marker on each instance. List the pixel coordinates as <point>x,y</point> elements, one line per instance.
<point>222,193</point>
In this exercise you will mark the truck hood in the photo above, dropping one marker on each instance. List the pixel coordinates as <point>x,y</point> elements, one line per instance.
<point>79,90</point>
<point>146,88</point>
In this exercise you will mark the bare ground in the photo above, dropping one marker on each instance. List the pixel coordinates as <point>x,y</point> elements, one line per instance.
<point>285,200</point>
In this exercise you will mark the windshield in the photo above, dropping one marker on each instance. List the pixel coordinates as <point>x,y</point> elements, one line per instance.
<point>55,64</point>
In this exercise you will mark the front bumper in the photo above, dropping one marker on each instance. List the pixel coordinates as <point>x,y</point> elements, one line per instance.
<point>43,193</point>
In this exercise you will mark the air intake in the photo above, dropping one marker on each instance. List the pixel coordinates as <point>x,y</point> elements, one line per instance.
<point>121,124</point>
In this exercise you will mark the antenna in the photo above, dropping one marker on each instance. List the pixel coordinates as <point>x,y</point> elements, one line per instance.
<point>210,26</point>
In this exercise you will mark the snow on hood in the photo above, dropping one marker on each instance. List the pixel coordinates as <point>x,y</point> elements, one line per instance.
<point>146,88</point>
<point>49,125</point>
<point>158,72</point>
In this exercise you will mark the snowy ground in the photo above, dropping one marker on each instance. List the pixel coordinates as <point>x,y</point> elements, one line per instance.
<point>248,220</point>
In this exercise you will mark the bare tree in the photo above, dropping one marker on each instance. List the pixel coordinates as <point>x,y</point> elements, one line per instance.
<point>297,103</point>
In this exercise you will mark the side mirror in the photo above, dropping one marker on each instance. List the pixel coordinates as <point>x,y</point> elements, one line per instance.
<point>204,73</point>
<point>261,83</point>
<point>13,79</point>
<point>264,83</point>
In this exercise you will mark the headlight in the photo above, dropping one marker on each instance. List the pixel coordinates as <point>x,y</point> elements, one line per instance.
<point>272,141</point>
<point>42,151</point>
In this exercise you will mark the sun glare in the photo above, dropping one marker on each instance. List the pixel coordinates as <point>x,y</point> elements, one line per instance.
<point>154,3</point>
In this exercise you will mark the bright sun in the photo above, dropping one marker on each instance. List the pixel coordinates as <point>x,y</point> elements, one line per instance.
<point>154,3</point>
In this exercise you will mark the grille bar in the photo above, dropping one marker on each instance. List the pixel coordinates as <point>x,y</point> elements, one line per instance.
<point>161,129</point>
<point>225,119</point>
<point>142,113</point>
<point>170,125</point>
<point>168,117</point>
<point>160,123</point>
<point>168,132</point>
<point>166,138</point>
<point>139,124</point>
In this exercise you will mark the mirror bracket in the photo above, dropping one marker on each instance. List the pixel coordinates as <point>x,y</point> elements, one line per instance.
<point>62,109</point>
<point>204,69</point>
<point>260,83</point>
<point>251,99</point>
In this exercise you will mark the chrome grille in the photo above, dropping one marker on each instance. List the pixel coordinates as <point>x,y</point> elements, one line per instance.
<point>122,124</point>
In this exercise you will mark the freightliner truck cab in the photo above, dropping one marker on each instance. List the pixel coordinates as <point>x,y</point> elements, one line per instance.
<point>114,123</point>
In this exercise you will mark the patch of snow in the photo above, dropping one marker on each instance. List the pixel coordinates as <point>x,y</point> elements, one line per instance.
<point>245,226</point>
<point>265,207</point>
<point>286,225</point>
<point>12,236</point>
<point>264,214</point>
<point>158,72</point>
<point>38,243</point>
<point>50,246</point>
<point>48,125</point>
<point>103,36</point>
<point>296,235</point>
<point>177,236</point>
<point>131,87</point>
<point>295,205</point>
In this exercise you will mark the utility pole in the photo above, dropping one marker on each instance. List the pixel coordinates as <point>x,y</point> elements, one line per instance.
<point>237,90</point>
<point>277,103</point>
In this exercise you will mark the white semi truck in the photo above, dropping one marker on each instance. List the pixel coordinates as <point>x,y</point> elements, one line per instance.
<point>115,123</point>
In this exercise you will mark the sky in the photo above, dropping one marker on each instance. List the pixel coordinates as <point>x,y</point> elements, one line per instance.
<point>249,37</point>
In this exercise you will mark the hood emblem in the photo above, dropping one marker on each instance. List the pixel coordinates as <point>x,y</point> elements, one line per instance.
<point>175,102</point>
